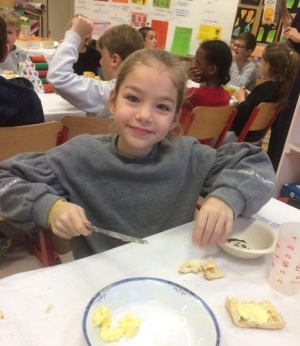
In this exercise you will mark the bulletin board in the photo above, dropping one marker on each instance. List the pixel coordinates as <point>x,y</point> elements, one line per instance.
<point>180,25</point>
<point>249,18</point>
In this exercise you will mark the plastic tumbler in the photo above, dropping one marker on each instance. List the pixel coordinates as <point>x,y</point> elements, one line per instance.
<point>21,66</point>
<point>285,270</point>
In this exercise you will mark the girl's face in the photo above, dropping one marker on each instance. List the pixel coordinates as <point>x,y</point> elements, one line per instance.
<point>264,68</point>
<point>144,109</point>
<point>150,39</point>
<point>12,34</point>
<point>202,65</point>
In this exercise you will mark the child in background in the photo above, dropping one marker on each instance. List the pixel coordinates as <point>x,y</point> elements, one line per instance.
<point>19,103</point>
<point>88,57</point>
<point>88,94</point>
<point>16,54</point>
<point>156,179</point>
<point>243,71</point>
<point>212,63</point>
<point>149,37</point>
<point>279,67</point>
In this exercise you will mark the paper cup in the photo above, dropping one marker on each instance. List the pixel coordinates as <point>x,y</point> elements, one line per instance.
<point>285,270</point>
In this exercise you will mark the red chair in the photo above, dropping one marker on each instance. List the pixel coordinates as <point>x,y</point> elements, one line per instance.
<point>261,118</point>
<point>211,123</point>
<point>28,138</point>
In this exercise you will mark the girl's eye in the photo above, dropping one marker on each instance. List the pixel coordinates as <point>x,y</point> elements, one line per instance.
<point>133,99</point>
<point>163,108</point>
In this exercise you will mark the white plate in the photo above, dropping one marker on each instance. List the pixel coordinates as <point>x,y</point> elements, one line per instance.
<point>250,238</point>
<point>170,314</point>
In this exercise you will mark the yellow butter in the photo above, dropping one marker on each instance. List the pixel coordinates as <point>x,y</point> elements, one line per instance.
<point>102,316</point>
<point>253,312</point>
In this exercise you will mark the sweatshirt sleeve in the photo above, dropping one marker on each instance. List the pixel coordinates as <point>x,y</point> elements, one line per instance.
<point>28,189</point>
<point>242,176</point>
<point>87,94</point>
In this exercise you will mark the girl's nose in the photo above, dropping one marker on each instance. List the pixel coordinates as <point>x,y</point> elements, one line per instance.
<point>144,113</point>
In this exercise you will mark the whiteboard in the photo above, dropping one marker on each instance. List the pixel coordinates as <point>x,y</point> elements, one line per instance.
<point>180,25</point>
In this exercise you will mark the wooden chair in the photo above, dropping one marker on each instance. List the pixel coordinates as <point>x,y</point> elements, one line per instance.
<point>261,118</point>
<point>28,138</point>
<point>77,125</point>
<point>211,122</point>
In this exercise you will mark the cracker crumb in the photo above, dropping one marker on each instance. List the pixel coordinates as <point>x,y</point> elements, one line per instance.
<point>192,266</point>
<point>48,309</point>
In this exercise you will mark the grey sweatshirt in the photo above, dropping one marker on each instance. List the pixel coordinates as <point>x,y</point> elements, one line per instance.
<point>139,197</point>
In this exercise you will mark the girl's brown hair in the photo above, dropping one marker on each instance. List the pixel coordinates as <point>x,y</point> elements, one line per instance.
<point>284,65</point>
<point>150,57</point>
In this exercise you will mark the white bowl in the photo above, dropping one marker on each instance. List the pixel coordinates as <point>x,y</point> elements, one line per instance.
<point>170,314</point>
<point>250,238</point>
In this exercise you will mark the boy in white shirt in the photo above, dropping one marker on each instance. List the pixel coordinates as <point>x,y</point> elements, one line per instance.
<point>87,94</point>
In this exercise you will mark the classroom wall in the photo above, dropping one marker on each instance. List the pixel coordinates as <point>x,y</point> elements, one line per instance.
<point>179,24</point>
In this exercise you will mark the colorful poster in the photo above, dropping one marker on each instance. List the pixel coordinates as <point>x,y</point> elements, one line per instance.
<point>181,41</point>
<point>138,19</point>
<point>162,3</point>
<point>161,31</point>
<point>251,2</point>
<point>267,33</point>
<point>244,21</point>
<point>138,2</point>
<point>209,32</point>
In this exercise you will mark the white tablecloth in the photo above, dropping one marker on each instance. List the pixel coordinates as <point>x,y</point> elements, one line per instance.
<point>55,107</point>
<point>67,288</point>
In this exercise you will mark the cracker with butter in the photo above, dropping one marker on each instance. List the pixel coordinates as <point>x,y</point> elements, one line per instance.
<point>253,314</point>
<point>192,266</point>
<point>211,270</point>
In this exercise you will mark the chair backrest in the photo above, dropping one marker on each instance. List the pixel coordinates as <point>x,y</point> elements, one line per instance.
<point>28,138</point>
<point>261,118</point>
<point>77,125</point>
<point>211,122</point>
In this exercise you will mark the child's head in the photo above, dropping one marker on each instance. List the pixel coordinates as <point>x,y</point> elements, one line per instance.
<point>116,44</point>
<point>147,100</point>
<point>280,63</point>
<point>13,23</point>
<point>3,40</point>
<point>149,37</point>
<point>213,58</point>
<point>244,44</point>
<point>87,39</point>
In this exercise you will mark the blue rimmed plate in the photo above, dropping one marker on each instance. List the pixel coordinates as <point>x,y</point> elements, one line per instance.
<point>170,314</point>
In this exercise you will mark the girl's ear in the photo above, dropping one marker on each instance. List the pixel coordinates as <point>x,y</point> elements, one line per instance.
<point>112,101</point>
<point>213,69</point>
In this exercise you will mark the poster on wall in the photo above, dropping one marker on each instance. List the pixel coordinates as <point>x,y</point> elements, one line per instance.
<point>244,21</point>
<point>268,33</point>
<point>180,25</point>
<point>251,2</point>
<point>292,5</point>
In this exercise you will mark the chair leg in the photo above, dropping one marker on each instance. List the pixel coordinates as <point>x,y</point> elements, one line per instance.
<point>42,247</point>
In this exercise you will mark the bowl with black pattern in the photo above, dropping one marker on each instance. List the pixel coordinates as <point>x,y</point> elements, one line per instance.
<point>250,238</point>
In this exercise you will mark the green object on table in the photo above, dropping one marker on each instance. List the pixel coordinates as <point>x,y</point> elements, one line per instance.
<point>41,65</point>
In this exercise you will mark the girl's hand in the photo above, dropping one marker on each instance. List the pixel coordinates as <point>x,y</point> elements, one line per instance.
<point>68,220</point>
<point>82,26</point>
<point>194,74</point>
<point>240,94</point>
<point>292,34</point>
<point>213,223</point>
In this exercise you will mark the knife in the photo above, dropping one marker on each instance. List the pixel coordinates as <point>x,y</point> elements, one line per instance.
<point>117,235</point>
